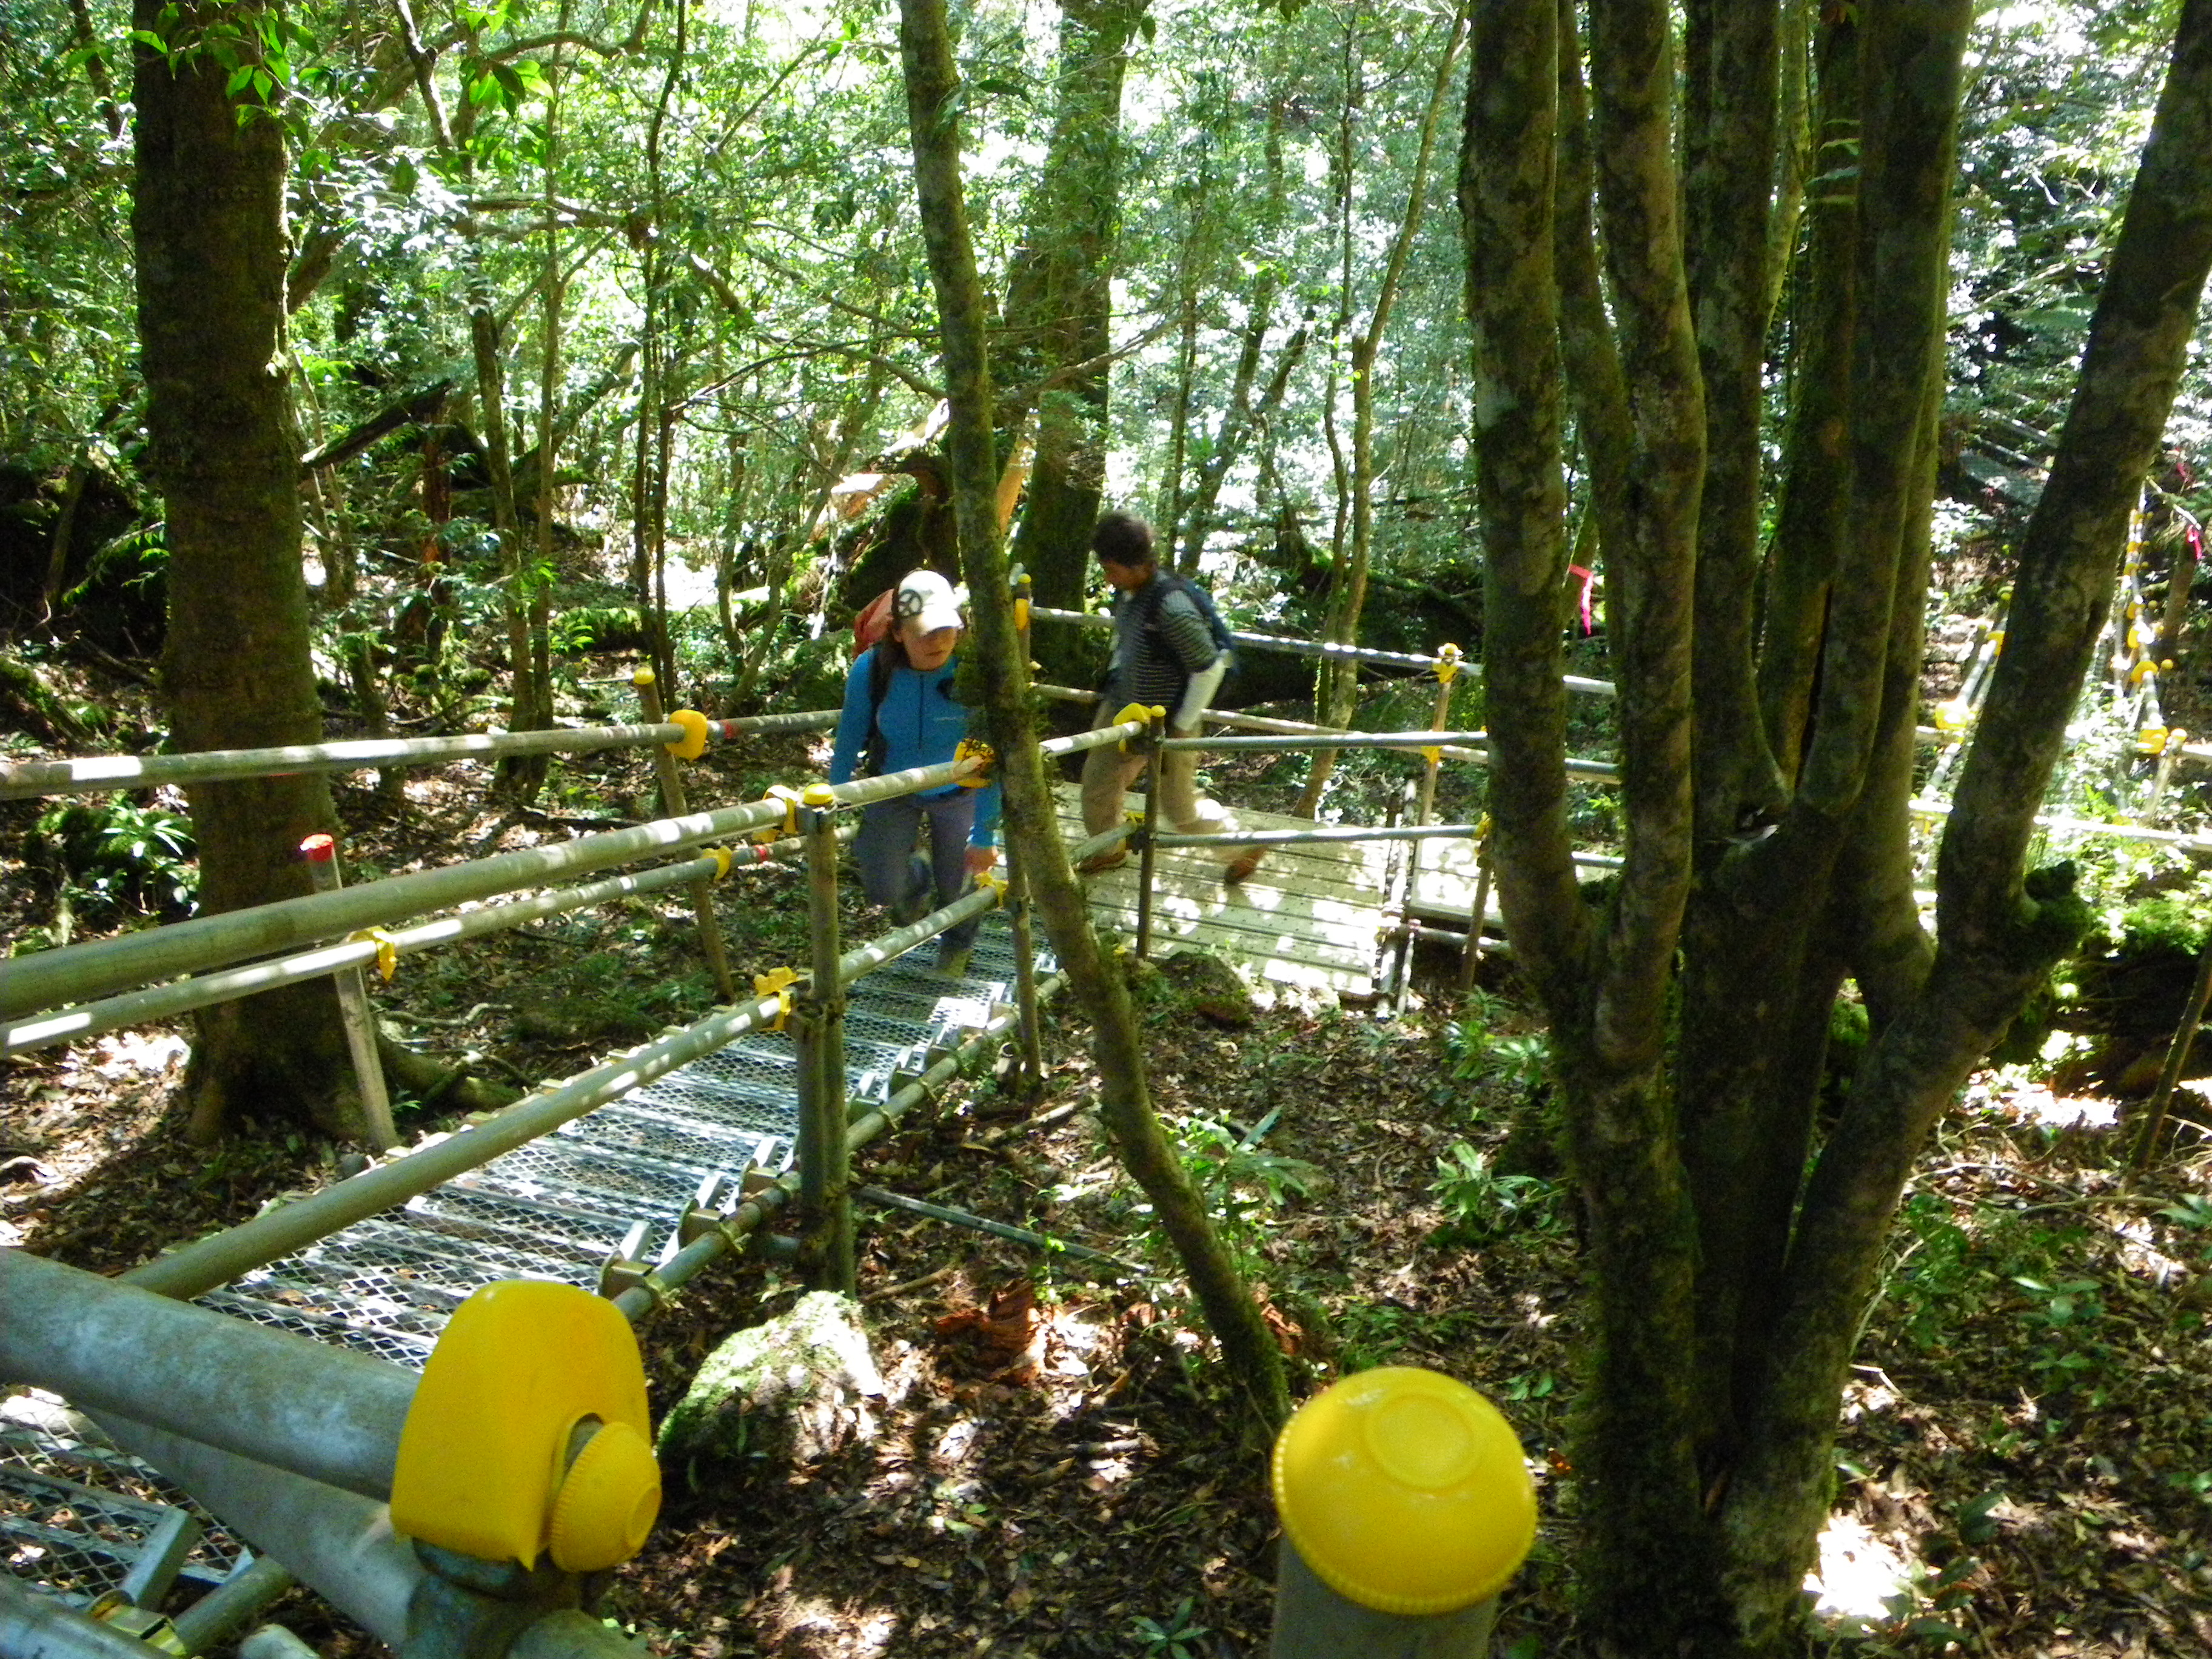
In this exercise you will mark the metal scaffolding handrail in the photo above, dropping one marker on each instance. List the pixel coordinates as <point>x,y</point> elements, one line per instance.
<point>90,773</point>
<point>1322,648</point>
<point>1309,736</point>
<point>53,978</point>
<point>224,985</point>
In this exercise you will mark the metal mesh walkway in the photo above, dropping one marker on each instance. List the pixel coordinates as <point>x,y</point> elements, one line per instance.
<point>79,1520</point>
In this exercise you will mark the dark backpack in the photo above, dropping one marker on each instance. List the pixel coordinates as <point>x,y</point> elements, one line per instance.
<point>1156,595</point>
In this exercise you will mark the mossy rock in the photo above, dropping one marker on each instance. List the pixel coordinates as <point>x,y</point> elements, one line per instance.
<point>1209,986</point>
<point>792,1391</point>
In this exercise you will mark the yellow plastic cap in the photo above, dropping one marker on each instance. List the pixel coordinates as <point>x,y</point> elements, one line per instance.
<point>1404,1491</point>
<point>608,1502</point>
<point>694,741</point>
<point>819,796</point>
<point>483,1454</point>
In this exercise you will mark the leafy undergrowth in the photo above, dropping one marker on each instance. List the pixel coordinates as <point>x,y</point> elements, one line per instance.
<point>2026,1462</point>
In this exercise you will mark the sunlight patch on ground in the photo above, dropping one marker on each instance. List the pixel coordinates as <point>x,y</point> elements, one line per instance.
<point>130,1054</point>
<point>1860,1576</point>
<point>2034,1103</point>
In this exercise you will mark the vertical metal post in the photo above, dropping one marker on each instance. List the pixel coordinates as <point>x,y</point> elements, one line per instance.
<point>1471,958</point>
<point>1407,1508</point>
<point>673,804</point>
<point>1447,666</point>
<point>321,852</point>
<point>1312,1621</point>
<point>824,1183</point>
<point>1025,1003</point>
<point>1156,729</point>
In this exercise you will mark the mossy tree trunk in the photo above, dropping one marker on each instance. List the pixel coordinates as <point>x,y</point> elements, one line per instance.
<point>208,231</point>
<point>1729,1285</point>
<point>1060,307</point>
<point>1032,824</point>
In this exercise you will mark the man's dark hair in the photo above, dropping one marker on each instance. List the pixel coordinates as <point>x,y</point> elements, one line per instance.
<point>1124,539</point>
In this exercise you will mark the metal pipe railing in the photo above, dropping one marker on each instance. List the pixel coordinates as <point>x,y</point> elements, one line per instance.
<point>1326,737</point>
<point>332,1414</point>
<point>1291,744</point>
<point>1322,648</point>
<point>96,772</point>
<point>87,774</point>
<point>224,985</point>
<point>53,978</point>
<point>200,1267</point>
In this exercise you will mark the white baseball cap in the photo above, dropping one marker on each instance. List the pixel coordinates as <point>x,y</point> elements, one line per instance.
<point>926,603</point>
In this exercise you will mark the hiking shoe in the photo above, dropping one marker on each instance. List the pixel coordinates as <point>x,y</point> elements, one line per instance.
<point>952,959</point>
<point>1098,863</point>
<point>1243,865</point>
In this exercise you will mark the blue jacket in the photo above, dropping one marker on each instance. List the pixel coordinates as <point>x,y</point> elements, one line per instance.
<point>921,727</point>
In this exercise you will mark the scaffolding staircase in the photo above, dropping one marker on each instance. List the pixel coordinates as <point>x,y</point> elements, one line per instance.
<point>601,1199</point>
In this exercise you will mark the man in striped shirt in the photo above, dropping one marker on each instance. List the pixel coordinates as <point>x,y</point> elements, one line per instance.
<point>1165,656</point>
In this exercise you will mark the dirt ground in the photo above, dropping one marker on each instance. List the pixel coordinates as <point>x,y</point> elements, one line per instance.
<point>2025,1467</point>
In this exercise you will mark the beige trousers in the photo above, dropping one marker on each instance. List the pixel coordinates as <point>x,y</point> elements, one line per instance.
<point>1107,773</point>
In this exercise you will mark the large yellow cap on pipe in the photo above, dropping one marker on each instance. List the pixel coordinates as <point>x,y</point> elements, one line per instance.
<point>1404,1491</point>
<point>607,1503</point>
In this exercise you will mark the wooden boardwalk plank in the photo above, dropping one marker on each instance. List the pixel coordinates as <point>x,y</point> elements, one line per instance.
<point>1307,916</point>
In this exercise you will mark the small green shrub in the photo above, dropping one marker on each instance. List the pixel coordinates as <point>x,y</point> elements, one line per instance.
<point>123,856</point>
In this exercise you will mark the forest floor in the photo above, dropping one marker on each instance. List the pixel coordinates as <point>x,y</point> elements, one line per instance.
<point>2025,1461</point>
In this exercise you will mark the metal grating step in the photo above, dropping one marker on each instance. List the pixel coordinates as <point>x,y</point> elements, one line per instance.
<point>80,1519</point>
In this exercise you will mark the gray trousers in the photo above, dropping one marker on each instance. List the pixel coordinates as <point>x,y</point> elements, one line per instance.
<point>892,869</point>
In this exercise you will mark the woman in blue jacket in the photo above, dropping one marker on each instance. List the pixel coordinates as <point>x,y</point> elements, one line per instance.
<point>899,712</point>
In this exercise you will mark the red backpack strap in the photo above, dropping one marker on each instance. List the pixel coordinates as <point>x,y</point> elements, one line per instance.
<point>873,620</point>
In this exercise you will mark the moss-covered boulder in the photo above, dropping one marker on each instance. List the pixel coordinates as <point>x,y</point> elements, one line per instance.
<point>800,1388</point>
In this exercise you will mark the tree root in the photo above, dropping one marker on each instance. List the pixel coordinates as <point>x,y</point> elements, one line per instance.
<point>438,1086</point>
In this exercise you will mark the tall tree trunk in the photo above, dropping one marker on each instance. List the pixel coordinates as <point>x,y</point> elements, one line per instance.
<point>208,231</point>
<point>1248,1350</point>
<point>1707,1429</point>
<point>1339,696</point>
<point>1060,306</point>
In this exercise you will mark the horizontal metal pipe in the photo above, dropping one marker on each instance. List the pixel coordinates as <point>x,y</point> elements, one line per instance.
<point>332,1414</point>
<point>1596,771</point>
<point>200,1267</point>
<point>233,1604</point>
<point>95,772</point>
<point>2070,826</point>
<point>974,1222</point>
<point>1322,648</point>
<point>339,1544</point>
<point>1301,837</point>
<point>35,1626</point>
<point>812,719</point>
<point>1332,740</point>
<point>52,978</point>
<point>180,996</point>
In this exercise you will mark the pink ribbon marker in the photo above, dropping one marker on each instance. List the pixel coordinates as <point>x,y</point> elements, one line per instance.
<point>1589,582</point>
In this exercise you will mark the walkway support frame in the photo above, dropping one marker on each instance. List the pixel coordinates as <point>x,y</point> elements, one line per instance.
<point>674,806</point>
<point>824,1168</point>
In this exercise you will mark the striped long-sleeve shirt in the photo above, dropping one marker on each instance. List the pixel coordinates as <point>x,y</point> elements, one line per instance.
<point>1162,650</point>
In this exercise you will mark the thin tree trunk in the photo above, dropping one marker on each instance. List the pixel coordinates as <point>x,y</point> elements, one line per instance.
<point>1248,1350</point>
<point>1339,695</point>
